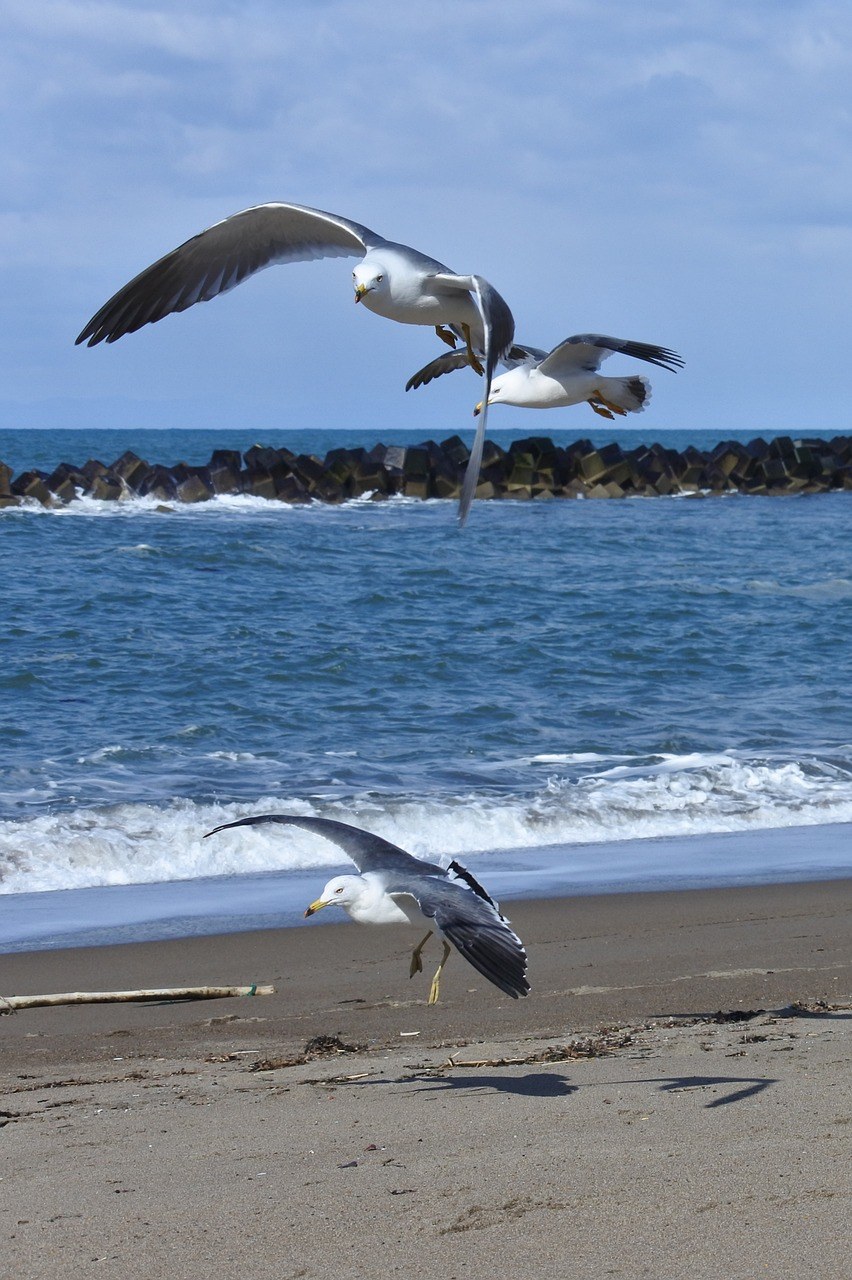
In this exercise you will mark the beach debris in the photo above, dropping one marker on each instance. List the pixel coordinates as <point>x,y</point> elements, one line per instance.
<point>322,1046</point>
<point>735,1015</point>
<point>331,1080</point>
<point>8,1004</point>
<point>325,1046</point>
<point>585,1047</point>
<point>798,1008</point>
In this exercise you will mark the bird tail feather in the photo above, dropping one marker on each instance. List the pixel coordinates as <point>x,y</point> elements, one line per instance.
<point>630,394</point>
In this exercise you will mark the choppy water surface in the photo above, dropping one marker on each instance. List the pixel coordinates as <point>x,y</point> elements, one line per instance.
<point>571,671</point>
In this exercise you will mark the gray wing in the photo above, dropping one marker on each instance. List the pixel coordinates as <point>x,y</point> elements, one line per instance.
<point>467,918</point>
<point>221,257</point>
<point>589,350</point>
<point>460,907</point>
<point>369,852</point>
<point>498,327</point>
<point>449,361</point>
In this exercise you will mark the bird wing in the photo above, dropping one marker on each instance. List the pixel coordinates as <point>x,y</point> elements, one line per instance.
<point>470,920</point>
<point>449,361</point>
<point>221,257</point>
<point>589,350</point>
<point>452,897</point>
<point>369,852</point>
<point>498,326</point>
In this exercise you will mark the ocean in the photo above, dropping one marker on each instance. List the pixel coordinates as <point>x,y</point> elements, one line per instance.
<point>527,694</point>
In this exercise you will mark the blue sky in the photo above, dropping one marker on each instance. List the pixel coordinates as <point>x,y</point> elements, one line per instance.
<point>675,172</point>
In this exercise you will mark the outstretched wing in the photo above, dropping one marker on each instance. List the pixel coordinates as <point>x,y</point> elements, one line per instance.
<point>472,923</point>
<point>498,326</point>
<point>369,852</point>
<point>460,907</point>
<point>449,361</point>
<point>589,350</point>
<point>221,257</point>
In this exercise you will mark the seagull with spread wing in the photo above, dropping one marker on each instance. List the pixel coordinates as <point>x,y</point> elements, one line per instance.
<point>569,374</point>
<point>396,888</point>
<point>391,279</point>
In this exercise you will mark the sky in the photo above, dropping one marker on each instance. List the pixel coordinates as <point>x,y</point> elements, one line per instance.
<point>672,172</point>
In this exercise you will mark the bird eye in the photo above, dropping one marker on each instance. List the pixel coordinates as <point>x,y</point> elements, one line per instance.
<point>340,890</point>
<point>379,279</point>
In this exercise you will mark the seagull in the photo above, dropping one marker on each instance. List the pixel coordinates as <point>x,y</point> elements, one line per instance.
<point>391,279</point>
<point>566,375</point>
<point>396,888</point>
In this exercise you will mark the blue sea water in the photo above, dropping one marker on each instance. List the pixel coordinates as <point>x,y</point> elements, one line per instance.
<point>559,675</point>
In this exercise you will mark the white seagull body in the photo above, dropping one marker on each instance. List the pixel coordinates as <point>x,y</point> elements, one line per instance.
<point>392,280</point>
<point>569,374</point>
<point>396,888</point>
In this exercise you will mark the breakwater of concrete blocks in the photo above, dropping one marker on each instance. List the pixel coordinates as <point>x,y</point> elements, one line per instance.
<point>534,468</point>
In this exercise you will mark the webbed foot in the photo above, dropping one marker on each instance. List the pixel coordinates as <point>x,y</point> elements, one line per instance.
<point>416,961</point>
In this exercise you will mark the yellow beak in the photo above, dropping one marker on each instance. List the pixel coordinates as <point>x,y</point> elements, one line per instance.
<point>477,410</point>
<point>319,904</point>
<point>360,290</point>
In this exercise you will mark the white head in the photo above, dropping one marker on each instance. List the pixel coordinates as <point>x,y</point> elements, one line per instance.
<point>499,391</point>
<point>370,277</point>
<point>342,891</point>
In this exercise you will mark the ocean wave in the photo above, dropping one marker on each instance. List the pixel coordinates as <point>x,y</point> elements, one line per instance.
<point>671,796</point>
<point>221,505</point>
<point>836,588</point>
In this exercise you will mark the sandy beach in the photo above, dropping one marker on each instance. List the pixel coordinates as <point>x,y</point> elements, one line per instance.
<point>674,1098</point>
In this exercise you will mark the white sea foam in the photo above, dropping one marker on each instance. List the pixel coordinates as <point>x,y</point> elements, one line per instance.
<point>221,505</point>
<point>676,796</point>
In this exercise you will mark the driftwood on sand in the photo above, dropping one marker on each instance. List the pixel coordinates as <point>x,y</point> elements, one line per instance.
<point>9,1003</point>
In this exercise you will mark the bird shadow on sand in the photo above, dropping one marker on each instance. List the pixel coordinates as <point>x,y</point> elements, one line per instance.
<point>752,1085</point>
<point>534,1084</point>
<point>544,1084</point>
<point>541,1084</point>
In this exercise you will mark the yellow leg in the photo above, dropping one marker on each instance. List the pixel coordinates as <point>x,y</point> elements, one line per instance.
<point>599,408</point>
<point>434,990</point>
<point>472,357</point>
<point>608,404</point>
<point>446,335</point>
<point>416,962</point>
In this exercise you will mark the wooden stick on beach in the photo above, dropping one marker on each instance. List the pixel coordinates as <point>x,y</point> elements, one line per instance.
<point>9,1003</point>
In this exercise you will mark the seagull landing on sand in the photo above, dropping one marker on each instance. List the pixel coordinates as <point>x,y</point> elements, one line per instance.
<point>396,888</point>
<point>569,374</point>
<point>392,280</point>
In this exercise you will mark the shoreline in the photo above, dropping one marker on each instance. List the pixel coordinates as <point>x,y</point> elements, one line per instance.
<point>594,959</point>
<point>157,910</point>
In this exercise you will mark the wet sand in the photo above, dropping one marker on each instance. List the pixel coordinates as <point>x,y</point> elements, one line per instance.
<point>605,1125</point>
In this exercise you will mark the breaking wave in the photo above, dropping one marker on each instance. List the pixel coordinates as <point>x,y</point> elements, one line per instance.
<point>614,799</point>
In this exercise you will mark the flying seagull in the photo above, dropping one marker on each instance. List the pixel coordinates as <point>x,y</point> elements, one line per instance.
<point>391,279</point>
<point>566,375</point>
<point>396,888</point>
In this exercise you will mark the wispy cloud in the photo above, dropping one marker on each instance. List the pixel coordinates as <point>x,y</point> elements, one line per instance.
<point>659,170</point>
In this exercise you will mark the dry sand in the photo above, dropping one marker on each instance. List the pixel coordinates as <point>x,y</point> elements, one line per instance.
<point>143,1140</point>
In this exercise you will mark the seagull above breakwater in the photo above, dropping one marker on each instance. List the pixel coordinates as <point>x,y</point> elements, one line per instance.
<point>396,888</point>
<point>391,279</point>
<point>569,374</point>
